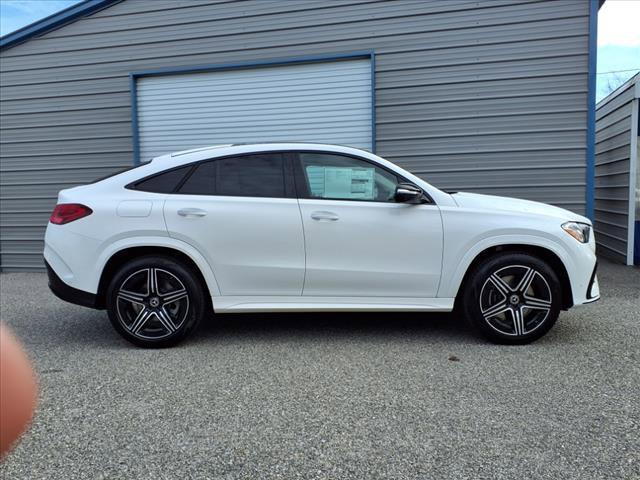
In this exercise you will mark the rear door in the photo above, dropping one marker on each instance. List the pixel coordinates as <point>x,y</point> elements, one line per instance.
<point>241,213</point>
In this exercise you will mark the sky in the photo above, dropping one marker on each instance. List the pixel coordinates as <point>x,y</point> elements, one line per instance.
<point>15,14</point>
<point>618,34</point>
<point>618,44</point>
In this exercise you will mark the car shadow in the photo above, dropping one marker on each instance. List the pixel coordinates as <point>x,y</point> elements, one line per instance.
<point>331,326</point>
<point>334,325</point>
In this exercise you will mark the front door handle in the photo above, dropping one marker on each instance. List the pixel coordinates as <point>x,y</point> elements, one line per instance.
<point>321,215</point>
<point>192,212</point>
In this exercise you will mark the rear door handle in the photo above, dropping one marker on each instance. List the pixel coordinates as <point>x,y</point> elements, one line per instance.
<point>192,212</point>
<point>321,215</point>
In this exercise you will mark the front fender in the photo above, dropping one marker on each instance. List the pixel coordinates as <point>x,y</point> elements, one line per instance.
<point>454,272</point>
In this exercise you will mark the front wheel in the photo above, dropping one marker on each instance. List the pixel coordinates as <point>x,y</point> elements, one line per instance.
<point>155,301</point>
<point>512,298</point>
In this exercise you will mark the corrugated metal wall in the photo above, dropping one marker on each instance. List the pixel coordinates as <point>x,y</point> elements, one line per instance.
<point>486,96</point>
<point>325,102</point>
<point>613,183</point>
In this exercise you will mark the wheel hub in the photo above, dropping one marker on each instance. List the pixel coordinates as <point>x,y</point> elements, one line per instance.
<point>154,302</point>
<point>514,299</point>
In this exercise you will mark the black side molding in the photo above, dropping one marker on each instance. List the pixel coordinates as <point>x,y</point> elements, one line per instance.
<point>67,293</point>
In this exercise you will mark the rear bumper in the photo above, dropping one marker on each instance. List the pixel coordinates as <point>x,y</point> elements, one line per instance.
<point>69,294</point>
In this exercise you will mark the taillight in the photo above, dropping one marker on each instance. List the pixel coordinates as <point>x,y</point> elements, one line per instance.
<point>69,212</point>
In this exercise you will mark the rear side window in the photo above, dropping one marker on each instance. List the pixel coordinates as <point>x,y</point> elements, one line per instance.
<point>165,182</point>
<point>251,176</point>
<point>201,181</point>
<point>258,175</point>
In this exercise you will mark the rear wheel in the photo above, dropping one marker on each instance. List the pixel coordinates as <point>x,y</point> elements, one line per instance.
<point>155,301</point>
<point>513,298</point>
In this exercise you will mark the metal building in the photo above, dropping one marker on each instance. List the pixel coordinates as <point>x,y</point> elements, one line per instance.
<point>617,179</point>
<point>495,96</point>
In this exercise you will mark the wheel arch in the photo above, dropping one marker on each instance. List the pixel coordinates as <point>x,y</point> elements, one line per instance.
<point>543,253</point>
<point>121,256</point>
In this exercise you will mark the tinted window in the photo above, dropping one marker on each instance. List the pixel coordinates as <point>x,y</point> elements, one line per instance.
<point>201,181</point>
<point>259,175</point>
<point>163,182</point>
<point>251,176</point>
<point>346,178</point>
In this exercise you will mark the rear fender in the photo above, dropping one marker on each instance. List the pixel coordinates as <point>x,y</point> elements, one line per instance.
<point>166,242</point>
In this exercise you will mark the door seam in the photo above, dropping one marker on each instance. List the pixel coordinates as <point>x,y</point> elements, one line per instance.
<point>304,244</point>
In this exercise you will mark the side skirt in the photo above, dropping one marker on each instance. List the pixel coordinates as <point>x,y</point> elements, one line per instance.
<point>242,304</point>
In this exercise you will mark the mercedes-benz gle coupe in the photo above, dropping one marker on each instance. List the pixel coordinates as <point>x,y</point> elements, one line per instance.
<point>309,227</point>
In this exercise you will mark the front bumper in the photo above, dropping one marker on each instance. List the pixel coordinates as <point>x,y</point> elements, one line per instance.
<point>581,264</point>
<point>67,293</point>
<point>593,290</point>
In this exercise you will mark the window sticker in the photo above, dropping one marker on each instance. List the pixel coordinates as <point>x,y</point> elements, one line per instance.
<point>352,183</point>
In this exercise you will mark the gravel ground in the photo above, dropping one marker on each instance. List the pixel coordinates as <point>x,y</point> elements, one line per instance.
<point>331,395</point>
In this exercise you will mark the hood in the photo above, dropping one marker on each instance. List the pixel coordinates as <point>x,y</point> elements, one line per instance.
<point>515,205</point>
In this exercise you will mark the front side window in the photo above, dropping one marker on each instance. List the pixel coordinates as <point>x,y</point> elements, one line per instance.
<point>257,175</point>
<point>339,177</point>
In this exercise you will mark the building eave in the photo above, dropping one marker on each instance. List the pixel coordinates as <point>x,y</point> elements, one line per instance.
<point>632,82</point>
<point>57,20</point>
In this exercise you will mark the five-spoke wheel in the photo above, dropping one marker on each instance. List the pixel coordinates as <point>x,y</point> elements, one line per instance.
<point>512,298</point>
<point>515,300</point>
<point>155,301</point>
<point>152,303</point>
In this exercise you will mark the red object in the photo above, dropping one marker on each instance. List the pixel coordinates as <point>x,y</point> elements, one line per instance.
<point>69,212</point>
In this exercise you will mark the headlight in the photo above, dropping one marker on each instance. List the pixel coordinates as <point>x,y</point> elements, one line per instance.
<point>579,231</point>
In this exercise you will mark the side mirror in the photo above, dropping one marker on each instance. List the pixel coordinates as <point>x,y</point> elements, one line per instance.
<point>408,193</point>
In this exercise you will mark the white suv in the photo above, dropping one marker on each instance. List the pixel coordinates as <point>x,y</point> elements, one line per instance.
<point>309,227</point>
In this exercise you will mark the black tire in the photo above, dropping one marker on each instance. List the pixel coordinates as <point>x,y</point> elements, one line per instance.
<point>512,298</point>
<point>160,314</point>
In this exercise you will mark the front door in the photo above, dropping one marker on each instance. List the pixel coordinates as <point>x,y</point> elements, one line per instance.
<point>359,241</point>
<point>241,213</point>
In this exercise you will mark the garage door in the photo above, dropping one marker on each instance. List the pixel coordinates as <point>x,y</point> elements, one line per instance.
<point>327,102</point>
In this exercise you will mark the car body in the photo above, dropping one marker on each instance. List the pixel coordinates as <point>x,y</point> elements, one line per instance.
<point>306,227</point>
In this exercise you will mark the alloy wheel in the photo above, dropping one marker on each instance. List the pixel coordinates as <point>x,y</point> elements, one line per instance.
<point>152,303</point>
<point>515,300</point>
